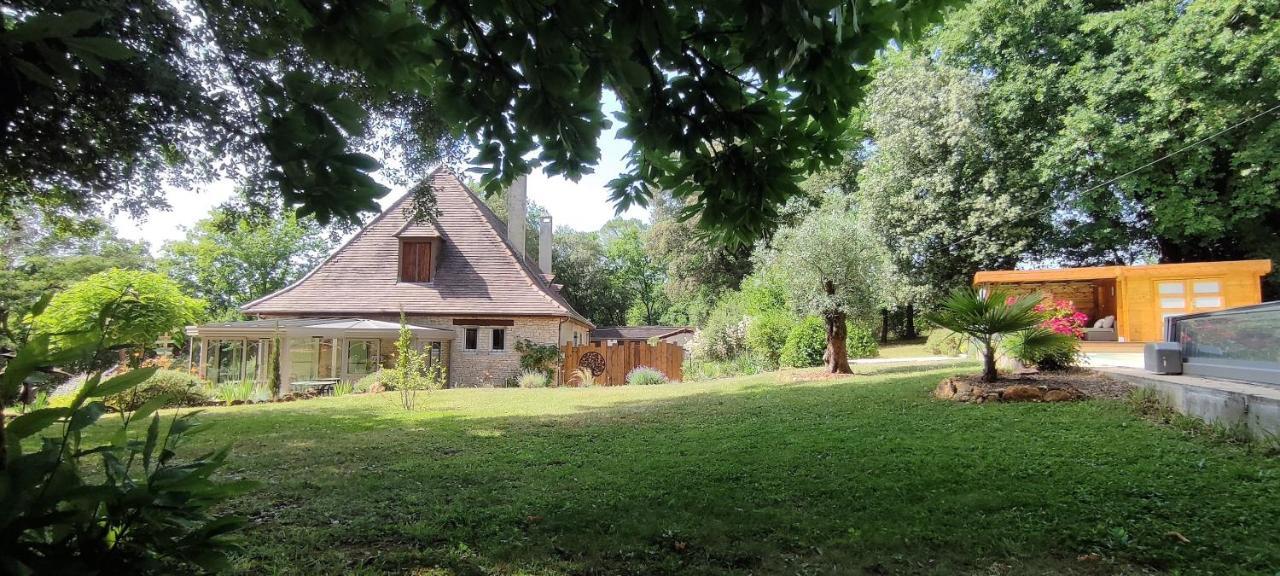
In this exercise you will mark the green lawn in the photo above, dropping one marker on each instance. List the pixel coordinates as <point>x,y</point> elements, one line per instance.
<point>746,476</point>
<point>904,348</point>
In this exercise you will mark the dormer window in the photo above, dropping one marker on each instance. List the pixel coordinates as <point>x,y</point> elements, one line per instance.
<point>415,261</point>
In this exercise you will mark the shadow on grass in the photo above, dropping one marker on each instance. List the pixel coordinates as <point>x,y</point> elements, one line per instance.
<point>858,474</point>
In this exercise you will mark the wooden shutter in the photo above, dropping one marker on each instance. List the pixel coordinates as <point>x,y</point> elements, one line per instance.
<point>415,261</point>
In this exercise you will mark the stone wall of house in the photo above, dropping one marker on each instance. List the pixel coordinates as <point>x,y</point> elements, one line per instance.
<point>484,366</point>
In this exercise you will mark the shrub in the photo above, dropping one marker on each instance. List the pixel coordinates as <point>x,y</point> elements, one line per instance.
<point>806,344</point>
<point>1043,347</point>
<point>231,392</point>
<point>645,376</point>
<point>181,389</point>
<point>533,379</point>
<point>743,365</point>
<point>582,378</point>
<point>380,381</point>
<point>534,357</point>
<point>1061,316</point>
<point>767,334</point>
<point>412,373</point>
<point>344,388</point>
<point>724,336</point>
<point>944,342</point>
<point>861,343</point>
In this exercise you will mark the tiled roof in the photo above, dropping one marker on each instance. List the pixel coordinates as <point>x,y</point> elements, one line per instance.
<point>317,325</point>
<point>418,230</point>
<point>478,272</point>
<point>636,332</point>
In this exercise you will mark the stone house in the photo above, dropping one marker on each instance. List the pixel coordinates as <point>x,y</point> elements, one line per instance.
<point>463,282</point>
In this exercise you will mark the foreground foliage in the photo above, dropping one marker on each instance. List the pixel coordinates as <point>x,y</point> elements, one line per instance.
<point>759,475</point>
<point>727,104</point>
<point>121,502</point>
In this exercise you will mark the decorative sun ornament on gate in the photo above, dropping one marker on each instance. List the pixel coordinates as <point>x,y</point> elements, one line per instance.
<point>593,361</point>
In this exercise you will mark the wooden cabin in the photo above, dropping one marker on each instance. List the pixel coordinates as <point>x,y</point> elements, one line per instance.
<point>1140,297</point>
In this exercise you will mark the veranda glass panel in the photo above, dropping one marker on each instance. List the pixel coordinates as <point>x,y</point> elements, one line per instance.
<point>324,363</point>
<point>230,361</point>
<point>361,355</point>
<point>302,359</point>
<point>253,350</point>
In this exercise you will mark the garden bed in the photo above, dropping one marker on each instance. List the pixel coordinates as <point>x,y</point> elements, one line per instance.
<point>1058,386</point>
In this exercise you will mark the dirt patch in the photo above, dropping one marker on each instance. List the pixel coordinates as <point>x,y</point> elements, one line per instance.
<point>1031,386</point>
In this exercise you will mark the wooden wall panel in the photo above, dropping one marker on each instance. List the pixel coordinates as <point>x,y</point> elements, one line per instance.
<point>620,359</point>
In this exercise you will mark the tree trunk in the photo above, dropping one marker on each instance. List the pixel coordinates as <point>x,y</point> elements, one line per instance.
<point>911,320</point>
<point>988,362</point>
<point>884,325</point>
<point>4,450</point>
<point>837,355</point>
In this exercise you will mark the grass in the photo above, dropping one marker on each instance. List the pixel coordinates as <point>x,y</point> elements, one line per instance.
<point>904,348</point>
<point>758,475</point>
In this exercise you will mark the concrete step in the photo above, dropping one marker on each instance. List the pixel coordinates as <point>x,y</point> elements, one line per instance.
<point>1225,402</point>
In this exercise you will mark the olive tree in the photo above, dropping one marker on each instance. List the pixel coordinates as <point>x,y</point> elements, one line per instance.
<point>829,265</point>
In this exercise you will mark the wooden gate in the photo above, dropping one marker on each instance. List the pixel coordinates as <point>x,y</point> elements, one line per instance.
<point>610,364</point>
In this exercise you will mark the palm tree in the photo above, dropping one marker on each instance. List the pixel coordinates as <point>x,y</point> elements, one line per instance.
<point>985,317</point>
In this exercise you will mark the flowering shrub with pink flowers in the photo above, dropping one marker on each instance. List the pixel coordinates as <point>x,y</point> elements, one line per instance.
<point>1062,317</point>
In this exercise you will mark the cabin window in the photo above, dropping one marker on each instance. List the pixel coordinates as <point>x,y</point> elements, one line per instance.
<point>470,337</point>
<point>499,340</point>
<point>415,261</point>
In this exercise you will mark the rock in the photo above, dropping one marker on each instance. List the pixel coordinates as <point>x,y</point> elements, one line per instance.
<point>992,397</point>
<point>1021,393</point>
<point>1061,395</point>
<point>946,389</point>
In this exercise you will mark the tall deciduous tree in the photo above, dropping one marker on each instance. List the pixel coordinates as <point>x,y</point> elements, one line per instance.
<point>727,103</point>
<point>830,265</point>
<point>1100,91</point>
<point>934,188</point>
<point>698,269</point>
<point>637,272</point>
<point>586,275</point>
<point>229,263</point>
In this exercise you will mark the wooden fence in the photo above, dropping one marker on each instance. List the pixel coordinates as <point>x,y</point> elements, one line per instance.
<point>610,364</point>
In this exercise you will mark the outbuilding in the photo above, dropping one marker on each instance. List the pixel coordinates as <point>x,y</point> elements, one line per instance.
<point>1135,300</point>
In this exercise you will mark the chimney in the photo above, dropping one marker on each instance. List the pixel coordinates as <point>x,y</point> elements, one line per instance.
<point>544,245</point>
<point>516,214</point>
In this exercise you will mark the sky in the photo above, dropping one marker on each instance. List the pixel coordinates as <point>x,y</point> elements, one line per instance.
<point>583,205</point>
